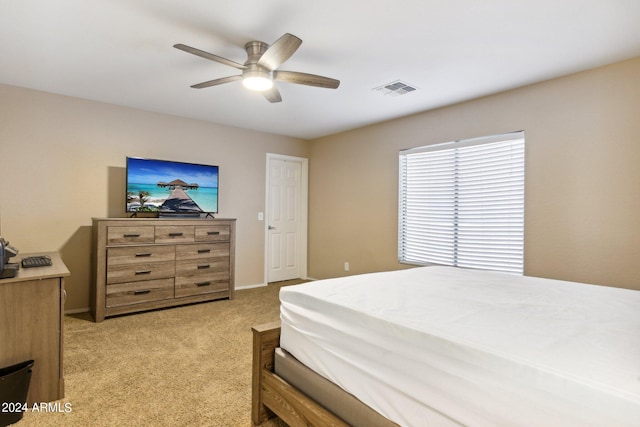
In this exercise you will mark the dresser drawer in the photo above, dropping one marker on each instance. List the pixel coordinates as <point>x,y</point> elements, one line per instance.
<point>119,235</point>
<point>213,233</point>
<point>140,255</point>
<point>120,273</point>
<point>139,292</point>
<point>174,233</point>
<point>201,267</point>
<point>197,284</point>
<point>202,251</point>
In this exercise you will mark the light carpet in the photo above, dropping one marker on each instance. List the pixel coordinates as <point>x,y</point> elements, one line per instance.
<point>184,366</point>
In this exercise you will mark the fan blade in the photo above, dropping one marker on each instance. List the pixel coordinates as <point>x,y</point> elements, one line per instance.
<point>216,82</point>
<point>306,79</point>
<point>209,56</point>
<point>279,51</point>
<point>272,95</point>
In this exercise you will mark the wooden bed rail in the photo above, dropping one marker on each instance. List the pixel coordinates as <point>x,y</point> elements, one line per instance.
<point>272,395</point>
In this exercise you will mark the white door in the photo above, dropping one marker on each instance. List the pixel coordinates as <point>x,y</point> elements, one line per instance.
<point>286,218</point>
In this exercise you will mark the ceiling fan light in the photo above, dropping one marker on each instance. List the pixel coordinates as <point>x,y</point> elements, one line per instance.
<point>257,80</point>
<point>257,83</point>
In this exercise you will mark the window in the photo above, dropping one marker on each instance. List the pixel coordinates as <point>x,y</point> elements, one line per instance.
<point>462,204</point>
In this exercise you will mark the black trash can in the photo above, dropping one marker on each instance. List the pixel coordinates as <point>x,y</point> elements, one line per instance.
<point>14,386</point>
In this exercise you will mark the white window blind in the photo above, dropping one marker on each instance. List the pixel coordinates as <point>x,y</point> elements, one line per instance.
<point>462,204</point>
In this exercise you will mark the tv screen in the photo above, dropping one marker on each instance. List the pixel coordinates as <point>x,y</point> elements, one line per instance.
<point>168,187</point>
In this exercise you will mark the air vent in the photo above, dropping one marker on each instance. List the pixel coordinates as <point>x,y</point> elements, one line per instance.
<point>396,88</point>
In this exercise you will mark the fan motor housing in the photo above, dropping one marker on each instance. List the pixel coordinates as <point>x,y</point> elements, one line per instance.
<point>255,50</point>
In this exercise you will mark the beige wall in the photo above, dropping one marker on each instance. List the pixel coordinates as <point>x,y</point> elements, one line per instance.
<point>582,219</point>
<point>62,162</point>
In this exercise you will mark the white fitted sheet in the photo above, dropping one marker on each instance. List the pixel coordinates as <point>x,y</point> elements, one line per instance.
<point>449,346</point>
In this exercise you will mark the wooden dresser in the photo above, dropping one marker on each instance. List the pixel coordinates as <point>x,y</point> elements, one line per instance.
<point>31,320</point>
<point>143,264</point>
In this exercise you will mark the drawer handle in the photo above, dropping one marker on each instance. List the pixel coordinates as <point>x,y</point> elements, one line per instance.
<point>213,233</point>
<point>204,251</point>
<point>140,272</point>
<point>132,235</point>
<point>142,292</point>
<point>201,284</point>
<point>203,266</point>
<point>144,254</point>
<point>176,234</point>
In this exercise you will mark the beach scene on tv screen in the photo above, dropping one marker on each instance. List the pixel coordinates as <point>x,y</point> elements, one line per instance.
<point>171,187</point>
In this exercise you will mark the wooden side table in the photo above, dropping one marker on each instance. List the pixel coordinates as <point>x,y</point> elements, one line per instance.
<point>31,325</point>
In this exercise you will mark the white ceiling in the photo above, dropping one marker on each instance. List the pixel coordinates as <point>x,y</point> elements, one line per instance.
<point>120,52</point>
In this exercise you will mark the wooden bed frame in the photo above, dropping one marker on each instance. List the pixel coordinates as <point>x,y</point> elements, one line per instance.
<point>273,396</point>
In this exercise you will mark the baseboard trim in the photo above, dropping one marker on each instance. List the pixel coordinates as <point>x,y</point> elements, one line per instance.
<point>77,310</point>
<point>259,285</point>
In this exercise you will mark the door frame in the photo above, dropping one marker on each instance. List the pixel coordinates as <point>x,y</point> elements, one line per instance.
<point>303,224</point>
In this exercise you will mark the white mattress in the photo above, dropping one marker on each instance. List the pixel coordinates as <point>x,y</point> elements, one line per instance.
<point>448,346</point>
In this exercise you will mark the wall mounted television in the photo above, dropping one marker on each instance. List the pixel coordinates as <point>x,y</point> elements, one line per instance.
<point>171,188</point>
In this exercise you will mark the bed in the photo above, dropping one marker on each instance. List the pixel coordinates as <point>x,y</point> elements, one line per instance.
<point>443,346</point>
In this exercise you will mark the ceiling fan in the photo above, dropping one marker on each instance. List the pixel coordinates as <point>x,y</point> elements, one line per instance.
<point>260,70</point>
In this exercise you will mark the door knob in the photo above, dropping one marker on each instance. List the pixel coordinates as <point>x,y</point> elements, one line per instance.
<point>271,228</point>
